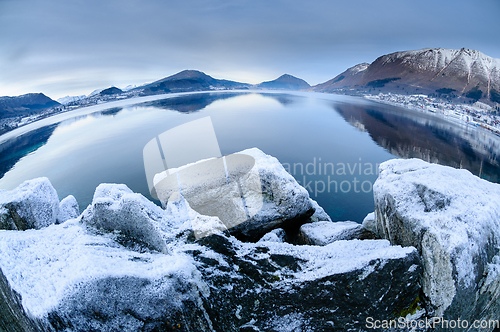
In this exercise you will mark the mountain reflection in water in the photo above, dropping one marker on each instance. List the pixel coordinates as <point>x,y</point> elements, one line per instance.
<point>406,134</point>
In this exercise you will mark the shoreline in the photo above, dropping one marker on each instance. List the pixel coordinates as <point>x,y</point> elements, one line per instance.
<point>441,115</point>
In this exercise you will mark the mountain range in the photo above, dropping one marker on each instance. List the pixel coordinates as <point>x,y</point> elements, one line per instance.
<point>466,74</point>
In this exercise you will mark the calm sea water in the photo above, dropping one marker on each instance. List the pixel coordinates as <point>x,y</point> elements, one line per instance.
<point>331,144</point>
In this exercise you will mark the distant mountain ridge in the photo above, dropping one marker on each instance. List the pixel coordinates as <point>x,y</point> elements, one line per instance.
<point>460,73</point>
<point>439,71</point>
<point>23,105</point>
<point>285,82</point>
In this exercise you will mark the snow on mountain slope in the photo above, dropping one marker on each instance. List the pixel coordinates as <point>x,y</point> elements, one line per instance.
<point>69,99</point>
<point>464,72</point>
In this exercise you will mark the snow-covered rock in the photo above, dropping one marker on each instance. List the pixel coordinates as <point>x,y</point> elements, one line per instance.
<point>453,218</point>
<point>13,317</point>
<point>319,213</point>
<point>115,208</point>
<point>72,278</point>
<point>321,233</point>
<point>370,222</point>
<point>249,191</point>
<point>337,285</point>
<point>276,235</point>
<point>68,209</point>
<point>69,275</point>
<point>97,272</point>
<point>33,204</point>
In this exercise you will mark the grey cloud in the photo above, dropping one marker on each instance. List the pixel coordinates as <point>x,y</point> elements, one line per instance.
<point>152,39</point>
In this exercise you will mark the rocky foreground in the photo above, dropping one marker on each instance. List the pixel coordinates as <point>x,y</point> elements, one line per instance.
<point>430,249</point>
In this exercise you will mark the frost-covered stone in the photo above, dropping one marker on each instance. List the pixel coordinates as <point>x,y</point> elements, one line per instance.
<point>33,204</point>
<point>13,317</point>
<point>322,233</point>
<point>370,223</point>
<point>68,209</point>
<point>453,218</point>
<point>250,192</point>
<point>69,277</point>
<point>115,207</point>
<point>272,286</point>
<point>276,235</point>
<point>72,277</point>
<point>319,213</point>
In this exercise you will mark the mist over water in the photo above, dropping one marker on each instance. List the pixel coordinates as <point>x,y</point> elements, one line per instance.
<point>331,144</point>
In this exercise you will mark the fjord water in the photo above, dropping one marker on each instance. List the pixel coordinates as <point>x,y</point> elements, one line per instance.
<point>331,144</point>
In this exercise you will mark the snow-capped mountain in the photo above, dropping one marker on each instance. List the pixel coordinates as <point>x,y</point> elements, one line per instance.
<point>70,99</point>
<point>348,78</point>
<point>461,72</point>
<point>94,93</point>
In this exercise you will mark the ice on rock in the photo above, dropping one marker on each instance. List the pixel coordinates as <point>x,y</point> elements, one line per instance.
<point>32,205</point>
<point>115,207</point>
<point>68,209</point>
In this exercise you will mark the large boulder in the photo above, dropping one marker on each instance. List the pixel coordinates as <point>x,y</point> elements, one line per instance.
<point>453,219</point>
<point>273,286</point>
<point>32,205</point>
<point>13,317</point>
<point>250,192</point>
<point>72,278</point>
<point>115,208</point>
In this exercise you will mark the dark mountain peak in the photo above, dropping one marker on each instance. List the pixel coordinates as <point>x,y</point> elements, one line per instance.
<point>189,74</point>
<point>285,82</point>
<point>25,104</point>
<point>189,80</point>
<point>286,77</point>
<point>110,91</point>
<point>29,97</point>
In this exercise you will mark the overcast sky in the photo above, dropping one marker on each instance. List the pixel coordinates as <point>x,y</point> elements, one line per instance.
<point>72,47</point>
